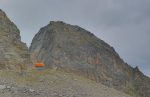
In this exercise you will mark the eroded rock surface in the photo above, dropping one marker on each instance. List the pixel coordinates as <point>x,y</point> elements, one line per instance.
<point>14,54</point>
<point>71,48</point>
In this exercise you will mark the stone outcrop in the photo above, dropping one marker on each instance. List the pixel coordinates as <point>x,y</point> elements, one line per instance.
<point>14,54</point>
<point>71,48</point>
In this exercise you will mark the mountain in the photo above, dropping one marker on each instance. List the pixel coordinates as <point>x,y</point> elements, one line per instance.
<point>14,54</point>
<point>71,48</point>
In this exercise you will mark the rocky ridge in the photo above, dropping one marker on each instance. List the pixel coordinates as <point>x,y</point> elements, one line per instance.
<point>74,55</point>
<point>72,48</point>
<point>14,54</point>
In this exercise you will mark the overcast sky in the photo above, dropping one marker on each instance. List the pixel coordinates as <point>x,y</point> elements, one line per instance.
<point>124,24</point>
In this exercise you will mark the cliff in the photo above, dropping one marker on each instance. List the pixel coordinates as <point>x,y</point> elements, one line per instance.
<point>14,54</point>
<point>73,49</point>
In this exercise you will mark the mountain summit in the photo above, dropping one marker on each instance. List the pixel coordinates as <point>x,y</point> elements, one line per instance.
<point>14,54</point>
<point>76,63</point>
<point>73,49</point>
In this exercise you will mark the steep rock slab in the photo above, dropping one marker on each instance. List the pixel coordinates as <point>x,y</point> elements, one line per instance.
<point>14,54</point>
<point>71,48</point>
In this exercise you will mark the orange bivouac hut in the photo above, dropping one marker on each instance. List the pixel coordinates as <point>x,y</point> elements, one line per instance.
<point>40,64</point>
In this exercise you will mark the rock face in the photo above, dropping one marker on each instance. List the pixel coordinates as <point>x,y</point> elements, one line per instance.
<point>14,54</point>
<point>71,48</point>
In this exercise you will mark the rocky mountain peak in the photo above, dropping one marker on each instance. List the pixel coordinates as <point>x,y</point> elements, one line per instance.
<point>4,20</point>
<point>68,48</point>
<point>13,52</point>
<point>56,23</point>
<point>74,49</point>
<point>64,27</point>
<point>2,14</point>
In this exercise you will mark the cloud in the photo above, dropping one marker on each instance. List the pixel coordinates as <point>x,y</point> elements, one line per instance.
<point>122,23</point>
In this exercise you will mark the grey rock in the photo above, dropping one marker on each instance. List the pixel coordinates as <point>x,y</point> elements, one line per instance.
<point>2,87</point>
<point>8,87</point>
<point>14,54</point>
<point>74,49</point>
<point>31,90</point>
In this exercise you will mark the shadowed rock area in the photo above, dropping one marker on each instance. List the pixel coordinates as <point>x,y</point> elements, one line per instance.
<point>14,54</point>
<point>71,48</point>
